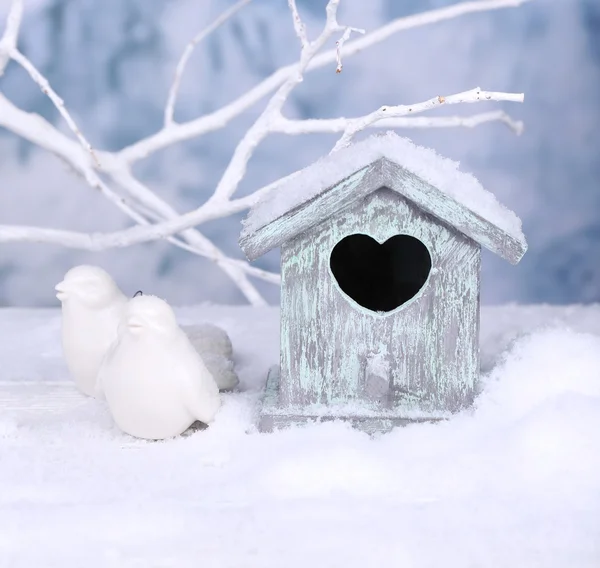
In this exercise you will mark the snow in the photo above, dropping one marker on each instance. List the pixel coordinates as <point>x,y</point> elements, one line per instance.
<point>440,172</point>
<point>513,482</point>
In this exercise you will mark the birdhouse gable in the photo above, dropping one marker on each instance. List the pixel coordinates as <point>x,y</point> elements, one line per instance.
<point>335,182</point>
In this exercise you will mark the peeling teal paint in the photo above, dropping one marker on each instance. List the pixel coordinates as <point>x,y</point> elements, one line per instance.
<point>383,172</point>
<point>376,370</point>
<point>430,342</point>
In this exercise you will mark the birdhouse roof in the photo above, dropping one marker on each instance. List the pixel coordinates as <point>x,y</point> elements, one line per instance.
<point>434,184</point>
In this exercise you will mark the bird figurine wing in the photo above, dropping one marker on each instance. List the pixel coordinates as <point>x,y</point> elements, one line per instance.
<point>198,387</point>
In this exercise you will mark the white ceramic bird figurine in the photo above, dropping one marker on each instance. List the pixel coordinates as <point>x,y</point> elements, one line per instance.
<point>92,307</point>
<point>153,379</point>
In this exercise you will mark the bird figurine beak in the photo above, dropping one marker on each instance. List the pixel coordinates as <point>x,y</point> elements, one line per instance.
<point>61,291</point>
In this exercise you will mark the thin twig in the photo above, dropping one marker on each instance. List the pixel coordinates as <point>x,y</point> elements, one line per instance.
<point>220,118</point>
<point>340,43</point>
<point>155,218</point>
<point>218,208</point>
<point>299,26</point>
<point>197,242</point>
<point>236,169</point>
<point>472,96</point>
<point>56,100</point>
<point>8,43</point>
<point>311,126</point>
<point>201,36</point>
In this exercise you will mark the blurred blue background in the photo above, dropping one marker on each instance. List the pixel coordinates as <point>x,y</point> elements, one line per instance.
<point>113,62</point>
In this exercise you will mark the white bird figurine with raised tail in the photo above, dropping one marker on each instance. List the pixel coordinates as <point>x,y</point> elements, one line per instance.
<point>92,307</point>
<point>153,379</point>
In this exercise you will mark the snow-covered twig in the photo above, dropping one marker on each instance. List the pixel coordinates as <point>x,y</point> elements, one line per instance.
<point>197,242</point>
<point>155,218</point>
<point>264,124</point>
<point>299,26</point>
<point>215,209</point>
<point>38,131</point>
<point>340,43</point>
<point>473,96</point>
<point>317,125</point>
<point>410,22</point>
<point>201,36</point>
<point>220,118</point>
<point>241,265</point>
<point>56,100</point>
<point>96,242</point>
<point>9,39</point>
<point>50,137</point>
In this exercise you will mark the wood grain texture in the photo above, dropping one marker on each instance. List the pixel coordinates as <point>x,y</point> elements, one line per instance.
<point>381,173</point>
<point>454,214</point>
<point>273,416</point>
<point>311,213</point>
<point>429,344</point>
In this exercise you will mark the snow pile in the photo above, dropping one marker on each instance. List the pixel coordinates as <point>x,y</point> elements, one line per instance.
<point>513,482</point>
<point>440,172</point>
<point>539,368</point>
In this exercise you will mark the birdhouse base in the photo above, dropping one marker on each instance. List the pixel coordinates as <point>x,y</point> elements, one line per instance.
<point>274,416</point>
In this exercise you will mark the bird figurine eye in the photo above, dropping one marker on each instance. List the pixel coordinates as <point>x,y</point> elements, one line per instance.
<point>138,293</point>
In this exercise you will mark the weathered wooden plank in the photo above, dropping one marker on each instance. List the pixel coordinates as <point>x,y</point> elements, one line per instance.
<point>311,213</point>
<point>341,360</point>
<point>442,206</point>
<point>430,343</point>
<point>273,416</point>
<point>381,173</point>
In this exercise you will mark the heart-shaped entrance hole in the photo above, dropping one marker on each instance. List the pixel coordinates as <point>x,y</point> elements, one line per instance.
<point>380,277</point>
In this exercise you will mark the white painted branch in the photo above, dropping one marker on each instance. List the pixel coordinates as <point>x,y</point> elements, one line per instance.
<point>473,96</point>
<point>257,272</point>
<point>34,128</point>
<point>56,100</point>
<point>50,137</point>
<point>220,118</point>
<point>30,234</point>
<point>94,242</point>
<point>339,44</point>
<point>198,243</point>
<point>236,169</point>
<point>299,26</point>
<point>8,43</point>
<point>215,209</point>
<point>201,36</point>
<point>104,241</point>
<point>214,206</point>
<point>38,131</point>
<point>91,242</point>
<point>242,265</point>
<point>409,22</point>
<point>155,218</point>
<point>311,126</point>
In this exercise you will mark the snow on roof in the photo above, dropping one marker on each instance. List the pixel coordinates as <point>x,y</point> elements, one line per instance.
<point>440,172</point>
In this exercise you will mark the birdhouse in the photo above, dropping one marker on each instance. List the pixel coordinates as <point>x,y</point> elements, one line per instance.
<point>380,279</point>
